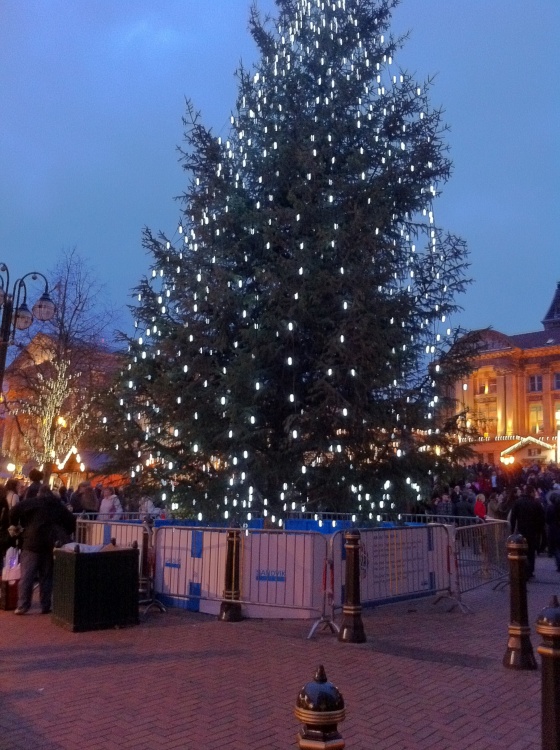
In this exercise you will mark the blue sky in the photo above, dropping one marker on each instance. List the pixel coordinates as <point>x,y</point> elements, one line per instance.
<point>92,94</point>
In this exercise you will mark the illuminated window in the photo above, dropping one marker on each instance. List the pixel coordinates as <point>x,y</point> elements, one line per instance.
<point>535,418</point>
<point>534,383</point>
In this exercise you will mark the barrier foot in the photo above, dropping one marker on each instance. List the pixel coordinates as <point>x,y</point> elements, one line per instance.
<point>230,611</point>
<point>456,603</point>
<point>152,603</point>
<point>326,622</point>
<point>501,585</point>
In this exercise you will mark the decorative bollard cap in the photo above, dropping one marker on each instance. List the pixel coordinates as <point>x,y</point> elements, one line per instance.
<point>548,622</point>
<point>517,541</point>
<point>319,702</point>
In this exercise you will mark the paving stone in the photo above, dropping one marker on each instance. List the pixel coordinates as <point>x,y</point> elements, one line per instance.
<point>426,678</point>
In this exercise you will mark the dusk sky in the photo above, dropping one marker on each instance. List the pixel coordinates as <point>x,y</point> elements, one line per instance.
<point>92,94</point>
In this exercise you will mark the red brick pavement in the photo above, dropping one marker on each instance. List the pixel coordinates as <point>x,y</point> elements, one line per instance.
<point>426,678</point>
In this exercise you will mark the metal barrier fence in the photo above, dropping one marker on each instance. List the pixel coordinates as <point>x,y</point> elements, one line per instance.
<point>480,554</point>
<point>301,574</point>
<point>422,518</point>
<point>396,563</point>
<point>279,570</point>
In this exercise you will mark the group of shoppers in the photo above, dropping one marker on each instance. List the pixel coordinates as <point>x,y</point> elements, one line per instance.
<point>530,505</point>
<point>102,504</point>
<point>36,523</point>
<point>36,519</point>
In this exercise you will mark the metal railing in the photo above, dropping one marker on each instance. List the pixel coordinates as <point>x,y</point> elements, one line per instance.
<point>480,553</point>
<point>278,569</point>
<point>396,563</point>
<point>302,573</point>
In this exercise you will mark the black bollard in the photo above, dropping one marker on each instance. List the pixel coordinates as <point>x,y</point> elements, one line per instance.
<point>230,608</point>
<point>548,626</point>
<point>319,707</point>
<point>519,653</point>
<point>352,627</point>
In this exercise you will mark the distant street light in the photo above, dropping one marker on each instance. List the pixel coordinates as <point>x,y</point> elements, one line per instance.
<point>16,315</point>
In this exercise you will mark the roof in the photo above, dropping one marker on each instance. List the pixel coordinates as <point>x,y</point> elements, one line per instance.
<point>496,340</point>
<point>536,339</point>
<point>526,441</point>
<point>551,320</point>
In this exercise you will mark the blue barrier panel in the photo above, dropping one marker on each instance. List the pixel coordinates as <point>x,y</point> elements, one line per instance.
<point>193,602</point>
<point>255,523</point>
<point>196,543</point>
<point>309,524</point>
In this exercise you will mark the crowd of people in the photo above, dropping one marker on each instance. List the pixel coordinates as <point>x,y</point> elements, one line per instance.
<point>35,518</point>
<point>528,499</point>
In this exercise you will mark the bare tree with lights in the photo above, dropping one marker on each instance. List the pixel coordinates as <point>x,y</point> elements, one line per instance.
<point>293,342</point>
<point>61,370</point>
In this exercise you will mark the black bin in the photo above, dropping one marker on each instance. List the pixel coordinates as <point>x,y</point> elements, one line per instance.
<point>95,590</point>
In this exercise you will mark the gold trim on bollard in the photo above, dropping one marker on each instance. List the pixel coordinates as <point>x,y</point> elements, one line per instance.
<point>230,608</point>
<point>352,626</point>
<point>319,707</point>
<point>519,652</point>
<point>548,626</point>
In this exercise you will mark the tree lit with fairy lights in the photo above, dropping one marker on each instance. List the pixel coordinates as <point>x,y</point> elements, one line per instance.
<point>288,342</point>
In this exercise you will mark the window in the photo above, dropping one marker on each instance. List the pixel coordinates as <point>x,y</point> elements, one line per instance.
<point>556,415</point>
<point>485,418</point>
<point>556,381</point>
<point>534,452</point>
<point>535,383</point>
<point>483,387</point>
<point>535,418</point>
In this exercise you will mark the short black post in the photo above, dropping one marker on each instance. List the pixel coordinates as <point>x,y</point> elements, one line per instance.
<point>548,626</point>
<point>319,707</point>
<point>352,627</point>
<point>230,608</point>
<point>144,582</point>
<point>519,653</point>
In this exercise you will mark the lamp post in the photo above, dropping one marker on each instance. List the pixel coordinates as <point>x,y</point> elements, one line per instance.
<point>16,315</point>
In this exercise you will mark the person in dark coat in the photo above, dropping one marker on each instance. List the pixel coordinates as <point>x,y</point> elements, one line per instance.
<point>553,523</point>
<point>528,518</point>
<point>45,521</point>
<point>36,477</point>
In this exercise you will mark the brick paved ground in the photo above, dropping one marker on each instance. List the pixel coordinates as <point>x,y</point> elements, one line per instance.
<point>426,678</point>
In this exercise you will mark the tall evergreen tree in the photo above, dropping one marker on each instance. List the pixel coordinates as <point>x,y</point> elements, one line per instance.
<point>290,341</point>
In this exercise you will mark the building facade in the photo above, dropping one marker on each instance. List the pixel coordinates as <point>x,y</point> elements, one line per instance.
<point>512,397</point>
<point>51,397</point>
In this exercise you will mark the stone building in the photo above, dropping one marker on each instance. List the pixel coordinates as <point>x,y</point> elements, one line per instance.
<point>512,396</point>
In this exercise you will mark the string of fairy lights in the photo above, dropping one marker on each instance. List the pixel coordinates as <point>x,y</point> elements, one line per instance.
<point>337,47</point>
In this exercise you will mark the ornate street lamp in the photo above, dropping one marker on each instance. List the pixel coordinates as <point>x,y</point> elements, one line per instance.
<point>16,315</point>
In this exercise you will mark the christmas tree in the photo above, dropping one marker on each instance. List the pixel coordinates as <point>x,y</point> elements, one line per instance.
<point>290,341</point>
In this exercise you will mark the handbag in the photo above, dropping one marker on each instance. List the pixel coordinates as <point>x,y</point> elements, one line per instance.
<point>11,570</point>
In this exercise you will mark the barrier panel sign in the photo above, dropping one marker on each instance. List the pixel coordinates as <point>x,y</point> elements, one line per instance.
<point>189,567</point>
<point>396,563</point>
<point>278,570</point>
<point>282,569</point>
